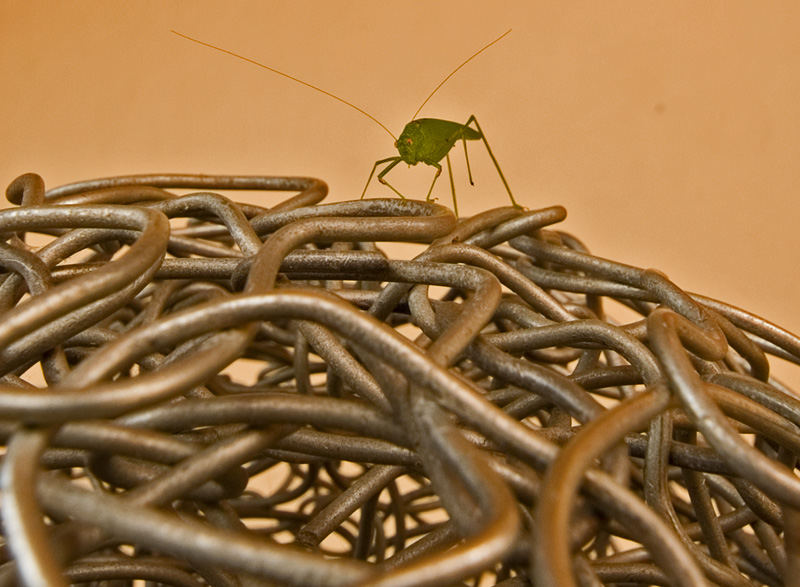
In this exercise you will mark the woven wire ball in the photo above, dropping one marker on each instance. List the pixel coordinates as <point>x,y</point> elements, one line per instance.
<point>197,391</point>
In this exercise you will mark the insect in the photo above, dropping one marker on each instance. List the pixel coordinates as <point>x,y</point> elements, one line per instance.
<point>423,140</point>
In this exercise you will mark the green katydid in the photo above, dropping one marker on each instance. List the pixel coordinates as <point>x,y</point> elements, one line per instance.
<point>423,140</point>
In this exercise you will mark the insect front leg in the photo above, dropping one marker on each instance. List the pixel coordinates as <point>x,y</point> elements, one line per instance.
<point>494,160</point>
<point>394,161</point>
<point>387,169</point>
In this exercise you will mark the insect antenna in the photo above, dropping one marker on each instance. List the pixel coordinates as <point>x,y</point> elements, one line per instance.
<point>291,77</point>
<point>470,58</point>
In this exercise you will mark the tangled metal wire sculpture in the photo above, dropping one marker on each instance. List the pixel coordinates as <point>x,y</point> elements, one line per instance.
<point>468,417</point>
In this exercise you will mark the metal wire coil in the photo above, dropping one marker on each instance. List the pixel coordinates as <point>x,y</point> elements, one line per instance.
<point>471,416</point>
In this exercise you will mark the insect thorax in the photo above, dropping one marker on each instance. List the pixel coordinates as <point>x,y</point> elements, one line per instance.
<point>428,140</point>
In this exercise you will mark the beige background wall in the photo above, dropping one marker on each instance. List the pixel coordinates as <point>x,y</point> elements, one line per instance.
<point>669,130</point>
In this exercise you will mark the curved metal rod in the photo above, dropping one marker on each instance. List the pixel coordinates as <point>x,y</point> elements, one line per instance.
<point>175,536</point>
<point>552,561</point>
<point>23,523</point>
<point>668,330</point>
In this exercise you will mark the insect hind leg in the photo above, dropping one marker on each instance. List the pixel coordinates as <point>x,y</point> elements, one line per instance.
<point>494,159</point>
<point>466,158</point>
<point>452,185</point>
